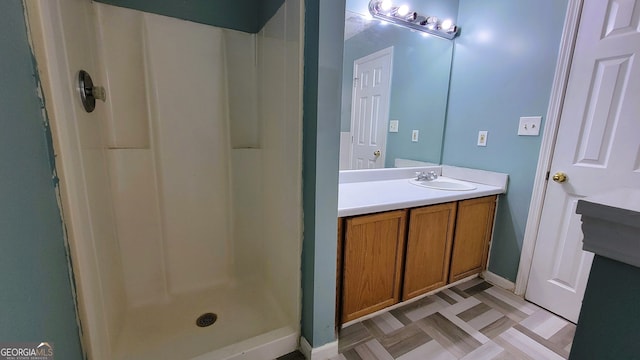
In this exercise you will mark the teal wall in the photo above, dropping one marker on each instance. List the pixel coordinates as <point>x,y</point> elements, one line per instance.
<point>36,302</point>
<point>610,315</point>
<point>244,15</point>
<point>503,68</point>
<point>321,126</point>
<point>419,88</point>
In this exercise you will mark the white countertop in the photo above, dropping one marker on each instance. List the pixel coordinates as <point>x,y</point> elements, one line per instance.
<point>370,191</point>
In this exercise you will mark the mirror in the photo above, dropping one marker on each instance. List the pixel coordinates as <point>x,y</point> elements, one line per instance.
<point>417,94</point>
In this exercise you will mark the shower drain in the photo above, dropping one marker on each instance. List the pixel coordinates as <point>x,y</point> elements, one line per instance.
<point>207,319</point>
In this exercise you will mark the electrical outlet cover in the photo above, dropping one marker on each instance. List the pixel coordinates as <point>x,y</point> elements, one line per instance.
<point>414,135</point>
<point>482,138</point>
<point>393,126</point>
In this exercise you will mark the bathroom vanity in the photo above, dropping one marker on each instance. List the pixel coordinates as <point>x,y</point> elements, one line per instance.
<point>398,239</point>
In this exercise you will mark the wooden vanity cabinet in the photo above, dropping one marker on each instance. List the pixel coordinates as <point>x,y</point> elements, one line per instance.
<point>474,223</point>
<point>338,318</point>
<point>428,249</point>
<point>444,243</point>
<point>372,256</point>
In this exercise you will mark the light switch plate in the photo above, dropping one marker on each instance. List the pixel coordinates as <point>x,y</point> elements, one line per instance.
<point>414,135</point>
<point>393,126</point>
<point>482,138</point>
<point>529,126</point>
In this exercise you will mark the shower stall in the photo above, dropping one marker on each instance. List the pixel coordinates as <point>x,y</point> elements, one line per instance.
<point>181,193</point>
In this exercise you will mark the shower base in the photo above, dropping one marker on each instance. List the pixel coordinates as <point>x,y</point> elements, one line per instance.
<point>248,318</point>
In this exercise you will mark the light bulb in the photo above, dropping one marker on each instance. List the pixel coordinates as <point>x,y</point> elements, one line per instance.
<point>446,24</point>
<point>386,5</point>
<point>403,10</point>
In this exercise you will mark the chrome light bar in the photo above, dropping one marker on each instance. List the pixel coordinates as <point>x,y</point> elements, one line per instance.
<point>403,16</point>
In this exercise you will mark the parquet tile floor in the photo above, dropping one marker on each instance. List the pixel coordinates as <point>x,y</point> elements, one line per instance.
<point>472,321</point>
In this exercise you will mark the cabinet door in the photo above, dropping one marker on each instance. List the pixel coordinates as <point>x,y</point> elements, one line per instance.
<point>474,224</point>
<point>372,263</point>
<point>428,249</point>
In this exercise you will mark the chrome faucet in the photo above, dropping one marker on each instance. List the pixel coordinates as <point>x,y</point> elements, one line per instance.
<point>428,176</point>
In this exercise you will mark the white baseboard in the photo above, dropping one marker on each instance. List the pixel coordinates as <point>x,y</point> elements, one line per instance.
<point>324,352</point>
<point>498,280</point>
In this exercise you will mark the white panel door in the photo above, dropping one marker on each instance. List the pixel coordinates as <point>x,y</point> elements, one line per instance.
<point>370,109</point>
<point>598,147</point>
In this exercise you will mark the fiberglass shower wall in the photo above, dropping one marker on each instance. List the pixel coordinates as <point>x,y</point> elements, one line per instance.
<point>203,145</point>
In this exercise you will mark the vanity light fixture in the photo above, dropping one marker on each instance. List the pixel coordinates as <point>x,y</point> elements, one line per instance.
<point>403,16</point>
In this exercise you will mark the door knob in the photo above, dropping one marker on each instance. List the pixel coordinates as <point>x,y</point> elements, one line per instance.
<point>376,153</point>
<point>559,177</point>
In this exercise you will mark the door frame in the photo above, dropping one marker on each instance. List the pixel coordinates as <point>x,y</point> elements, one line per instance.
<point>384,52</point>
<point>554,111</point>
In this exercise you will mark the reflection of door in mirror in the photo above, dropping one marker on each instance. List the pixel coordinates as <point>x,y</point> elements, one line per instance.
<point>418,91</point>
<point>370,109</point>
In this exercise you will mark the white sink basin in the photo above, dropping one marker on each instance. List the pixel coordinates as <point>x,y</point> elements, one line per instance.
<point>444,183</point>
